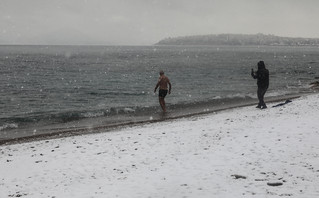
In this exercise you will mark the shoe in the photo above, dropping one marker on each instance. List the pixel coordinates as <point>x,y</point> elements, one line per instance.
<point>264,107</point>
<point>258,106</point>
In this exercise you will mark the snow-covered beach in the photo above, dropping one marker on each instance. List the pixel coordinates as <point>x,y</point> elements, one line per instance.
<point>241,152</point>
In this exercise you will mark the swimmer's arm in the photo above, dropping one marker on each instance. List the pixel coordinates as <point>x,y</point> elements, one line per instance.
<point>170,87</point>
<point>156,87</point>
<point>159,80</point>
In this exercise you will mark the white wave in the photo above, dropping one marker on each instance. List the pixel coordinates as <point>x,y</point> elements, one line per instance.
<point>8,126</point>
<point>93,115</point>
<point>128,110</point>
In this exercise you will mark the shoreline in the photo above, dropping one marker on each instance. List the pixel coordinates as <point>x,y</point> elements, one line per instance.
<point>239,152</point>
<point>162,117</point>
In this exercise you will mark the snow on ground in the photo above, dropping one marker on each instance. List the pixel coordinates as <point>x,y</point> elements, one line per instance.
<point>234,153</point>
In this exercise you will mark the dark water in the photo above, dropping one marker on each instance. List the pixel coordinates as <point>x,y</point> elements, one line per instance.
<point>48,88</point>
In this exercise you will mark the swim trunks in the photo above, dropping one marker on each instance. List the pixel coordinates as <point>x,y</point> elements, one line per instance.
<point>162,93</point>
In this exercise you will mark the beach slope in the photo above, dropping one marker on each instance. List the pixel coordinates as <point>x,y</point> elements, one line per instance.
<point>240,152</point>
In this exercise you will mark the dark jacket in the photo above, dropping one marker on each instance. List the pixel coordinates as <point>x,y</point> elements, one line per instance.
<point>262,75</point>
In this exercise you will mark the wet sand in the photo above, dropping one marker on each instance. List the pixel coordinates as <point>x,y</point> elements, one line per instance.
<point>102,124</point>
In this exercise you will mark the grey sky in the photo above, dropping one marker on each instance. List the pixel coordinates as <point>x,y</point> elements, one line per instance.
<point>144,22</point>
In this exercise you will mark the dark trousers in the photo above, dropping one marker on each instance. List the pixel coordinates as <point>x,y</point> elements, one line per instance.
<point>261,93</point>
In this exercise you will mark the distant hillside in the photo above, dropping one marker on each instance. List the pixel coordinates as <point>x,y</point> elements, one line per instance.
<point>239,39</point>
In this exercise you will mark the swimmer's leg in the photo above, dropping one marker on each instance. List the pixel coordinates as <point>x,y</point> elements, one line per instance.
<point>162,103</point>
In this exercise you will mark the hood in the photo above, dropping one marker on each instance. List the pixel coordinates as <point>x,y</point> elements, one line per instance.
<point>261,65</point>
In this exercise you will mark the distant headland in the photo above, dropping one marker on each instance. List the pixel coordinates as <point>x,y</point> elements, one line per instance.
<point>239,39</point>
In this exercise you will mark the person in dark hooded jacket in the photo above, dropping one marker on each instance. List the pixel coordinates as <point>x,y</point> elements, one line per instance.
<point>262,76</point>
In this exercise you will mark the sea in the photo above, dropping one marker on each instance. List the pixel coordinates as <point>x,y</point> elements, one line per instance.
<point>56,89</point>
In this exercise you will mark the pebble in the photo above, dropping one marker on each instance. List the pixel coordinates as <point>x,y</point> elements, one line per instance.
<point>274,183</point>
<point>239,176</point>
